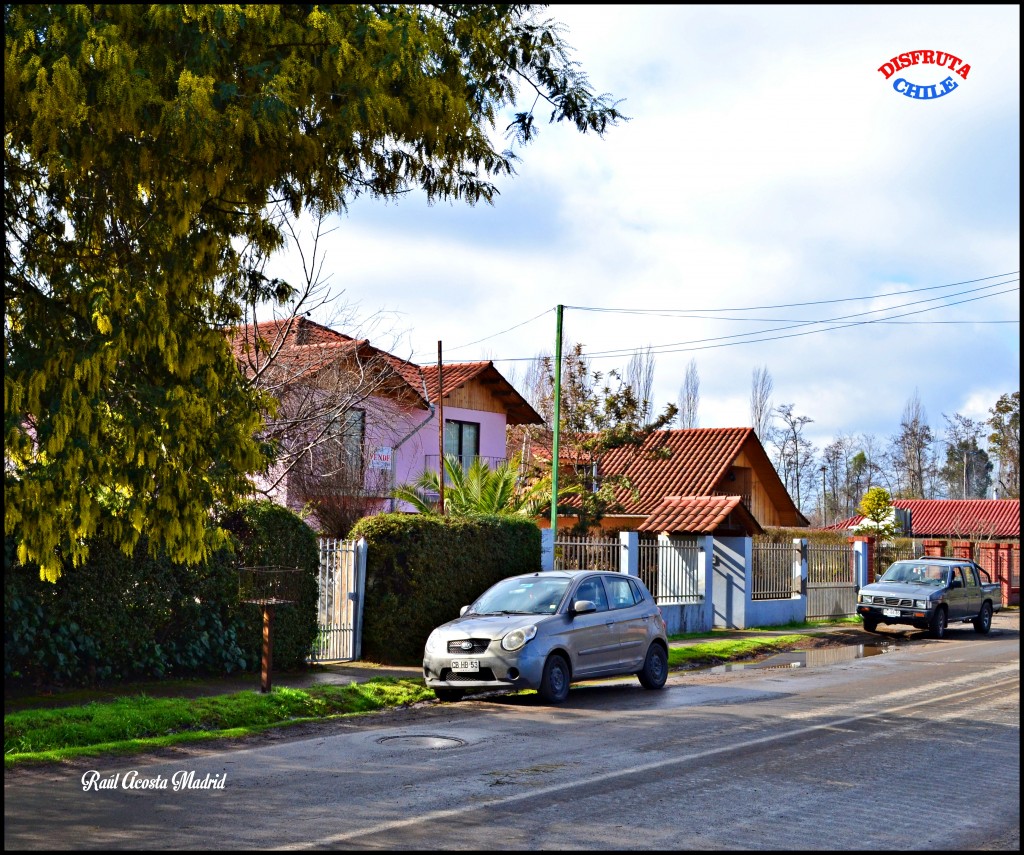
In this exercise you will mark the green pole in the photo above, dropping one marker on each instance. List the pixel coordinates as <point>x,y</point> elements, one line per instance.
<point>558,417</point>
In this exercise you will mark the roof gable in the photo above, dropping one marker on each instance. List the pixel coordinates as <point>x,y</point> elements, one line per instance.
<point>701,515</point>
<point>691,462</point>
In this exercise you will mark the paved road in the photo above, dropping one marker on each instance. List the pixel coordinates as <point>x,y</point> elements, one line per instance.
<point>916,748</point>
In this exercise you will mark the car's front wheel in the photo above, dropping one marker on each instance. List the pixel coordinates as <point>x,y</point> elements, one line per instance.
<point>554,683</point>
<point>449,695</point>
<point>983,622</point>
<point>937,625</point>
<point>655,671</point>
<point>870,624</point>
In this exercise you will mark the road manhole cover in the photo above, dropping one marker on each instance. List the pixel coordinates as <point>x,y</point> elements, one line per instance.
<point>422,741</point>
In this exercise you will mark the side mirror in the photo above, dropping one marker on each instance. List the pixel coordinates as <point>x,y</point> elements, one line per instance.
<point>957,584</point>
<point>582,607</point>
<point>463,610</point>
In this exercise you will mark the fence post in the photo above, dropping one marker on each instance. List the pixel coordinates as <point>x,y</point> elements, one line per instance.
<point>799,587</point>
<point>629,553</point>
<point>359,556</point>
<point>861,562</point>
<point>547,549</point>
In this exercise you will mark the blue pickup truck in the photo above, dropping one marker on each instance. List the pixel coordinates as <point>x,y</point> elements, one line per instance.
<point>930,594</point>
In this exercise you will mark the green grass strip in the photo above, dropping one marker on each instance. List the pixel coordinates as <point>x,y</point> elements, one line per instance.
<point>137,723</point>
<point>726,650</point>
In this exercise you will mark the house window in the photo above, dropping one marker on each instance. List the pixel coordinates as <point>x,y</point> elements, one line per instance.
<point>463,440</point>
<point>348,432</point>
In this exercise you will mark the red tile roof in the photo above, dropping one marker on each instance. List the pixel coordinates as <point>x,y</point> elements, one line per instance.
<point>700,515</point>
<point>305,342</point>
<point>674,463</point>
<point>958,518</point>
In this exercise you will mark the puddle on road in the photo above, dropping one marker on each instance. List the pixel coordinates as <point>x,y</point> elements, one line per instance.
<point>808,658</point>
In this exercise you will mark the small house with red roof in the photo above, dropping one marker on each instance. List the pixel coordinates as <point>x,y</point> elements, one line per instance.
<point>696,481</point>
<point>381,412</point>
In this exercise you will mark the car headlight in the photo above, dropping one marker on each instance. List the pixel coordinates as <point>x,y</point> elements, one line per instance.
<point>921,604</point>
<point>434,642</point>
<point>518,637</point>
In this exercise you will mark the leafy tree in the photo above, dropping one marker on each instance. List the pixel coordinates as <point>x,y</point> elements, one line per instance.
<point>879,515</point>
<point>147,150</point>
<point>1004,442</point>
<point>967,472</point>
<point>477,490</point>
<point>598,413</point>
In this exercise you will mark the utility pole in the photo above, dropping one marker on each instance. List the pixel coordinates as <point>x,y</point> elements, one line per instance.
<point>558,418</point>
<point>824,503</point>
<point>440,431</point>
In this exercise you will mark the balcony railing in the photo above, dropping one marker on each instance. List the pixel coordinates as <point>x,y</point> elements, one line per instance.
<point>432,462</point>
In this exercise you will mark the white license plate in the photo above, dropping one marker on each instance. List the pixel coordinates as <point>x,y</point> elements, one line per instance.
<point>466,665</point>
<point>891,612</point>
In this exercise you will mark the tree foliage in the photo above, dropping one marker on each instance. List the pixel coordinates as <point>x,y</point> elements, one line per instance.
<point>1004,441</point>
<point>879,515</point>
<point>146,151</point>
<point>477,490</point>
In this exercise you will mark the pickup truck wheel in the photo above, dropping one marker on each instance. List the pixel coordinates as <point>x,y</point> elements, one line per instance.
<point>871,624</point>
<point>983,622</point>
<point>937,625</point>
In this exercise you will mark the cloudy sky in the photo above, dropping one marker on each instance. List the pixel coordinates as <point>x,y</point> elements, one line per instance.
<point>773,202</point>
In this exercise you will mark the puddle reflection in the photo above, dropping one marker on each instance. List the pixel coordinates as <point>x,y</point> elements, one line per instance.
<point>809,658</point>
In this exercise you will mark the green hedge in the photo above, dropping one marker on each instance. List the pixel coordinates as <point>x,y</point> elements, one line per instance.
<point>421,569</point>
<point>123,617</point>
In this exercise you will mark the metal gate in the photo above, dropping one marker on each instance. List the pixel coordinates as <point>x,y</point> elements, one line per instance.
<point>342,581</point>
<point>831,581</point>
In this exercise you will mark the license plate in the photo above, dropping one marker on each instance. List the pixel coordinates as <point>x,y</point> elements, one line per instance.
<point>466,665</point>
<point>891,612</point>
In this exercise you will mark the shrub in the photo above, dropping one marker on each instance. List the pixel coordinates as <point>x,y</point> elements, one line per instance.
<point>421,569</point>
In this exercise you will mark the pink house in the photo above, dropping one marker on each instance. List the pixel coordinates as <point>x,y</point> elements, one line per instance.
<point>355,421</point>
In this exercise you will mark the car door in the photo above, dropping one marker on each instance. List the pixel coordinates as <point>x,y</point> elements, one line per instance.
<point>593,638</point>
<point>958,598</point>
<point>632,620</point>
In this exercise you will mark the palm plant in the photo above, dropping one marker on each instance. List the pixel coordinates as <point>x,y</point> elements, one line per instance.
<point>478,490</point>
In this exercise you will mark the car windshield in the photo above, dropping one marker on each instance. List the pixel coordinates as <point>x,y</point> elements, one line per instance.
<point>917,573</point>
<point>533,595</point>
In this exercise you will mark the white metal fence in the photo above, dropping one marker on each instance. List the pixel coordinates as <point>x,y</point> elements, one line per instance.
<point>669,569</point>
<point>587,553</point>
<point>342,581</point>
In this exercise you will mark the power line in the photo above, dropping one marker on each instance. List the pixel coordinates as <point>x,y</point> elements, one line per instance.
<point>674,312</point>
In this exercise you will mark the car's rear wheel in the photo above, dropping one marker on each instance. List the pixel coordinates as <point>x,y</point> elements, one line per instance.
<point>871,624</point>
<point>937,625</point>
<point>983,622</point>
<point>554,683</point>
<point>449,695</point>
<point>655,671</point>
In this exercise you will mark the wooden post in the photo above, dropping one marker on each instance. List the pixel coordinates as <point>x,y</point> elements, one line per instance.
<point>268,646</point>
<point>440,430</point>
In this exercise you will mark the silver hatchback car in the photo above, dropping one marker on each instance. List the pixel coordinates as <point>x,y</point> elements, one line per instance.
<point>546,630</point>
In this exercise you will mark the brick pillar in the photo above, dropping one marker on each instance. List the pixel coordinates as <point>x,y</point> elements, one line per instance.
<point>989,559</point>
<point>935,548</point>
<point>961,549</point>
